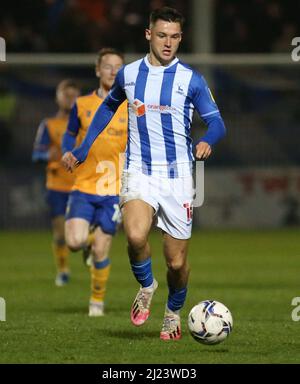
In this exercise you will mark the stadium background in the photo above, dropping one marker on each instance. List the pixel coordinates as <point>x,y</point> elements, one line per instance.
<point>258,95</point>
<point>251,182</point>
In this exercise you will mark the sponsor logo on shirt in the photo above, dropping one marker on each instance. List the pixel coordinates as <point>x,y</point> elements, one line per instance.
<point>160,108</point>
<point>138,107</point>
<point>115,132</point>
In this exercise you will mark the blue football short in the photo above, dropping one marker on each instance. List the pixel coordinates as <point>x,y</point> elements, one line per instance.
<point>57,202</point>
<point>98,210</point>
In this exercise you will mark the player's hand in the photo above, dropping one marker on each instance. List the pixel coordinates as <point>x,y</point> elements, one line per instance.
<point>69,161</point>
<point>203,150</point>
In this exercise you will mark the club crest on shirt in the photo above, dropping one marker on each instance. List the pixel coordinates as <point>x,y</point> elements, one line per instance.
<point>180,89</point>
<point>138,107</point>
<point>88,113</point>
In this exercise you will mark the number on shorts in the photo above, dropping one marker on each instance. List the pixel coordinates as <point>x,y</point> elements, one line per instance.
<point>189,211</point>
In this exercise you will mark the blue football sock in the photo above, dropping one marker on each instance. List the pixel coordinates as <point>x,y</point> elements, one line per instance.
<point>143,272</point>
<point>176,298</point>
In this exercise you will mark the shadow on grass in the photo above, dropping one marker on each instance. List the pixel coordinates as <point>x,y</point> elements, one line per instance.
<point>83,309</point>
<point>216,351</point>
<point>71,310</point>
<point>117,310</point>
<point>129,335</point>
<point>238,286</point>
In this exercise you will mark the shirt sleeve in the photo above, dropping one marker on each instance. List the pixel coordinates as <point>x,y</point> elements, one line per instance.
<point>103,116</point>
<point>69,137</point>
<point>41,143</point>
<point>208,110</point>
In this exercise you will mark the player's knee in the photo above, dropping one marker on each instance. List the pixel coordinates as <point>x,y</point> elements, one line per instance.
<point>75,241</point>
<point>177,265</point>
<point>100,252</point>
<point>136,239</point>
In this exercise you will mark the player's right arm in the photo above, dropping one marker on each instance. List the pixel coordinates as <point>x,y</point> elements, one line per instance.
<point>101,119</point>
<point>41,151</point>
<point>69,137</point>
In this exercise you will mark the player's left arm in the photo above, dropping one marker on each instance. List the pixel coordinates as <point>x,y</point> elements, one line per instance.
<point>210,114</point>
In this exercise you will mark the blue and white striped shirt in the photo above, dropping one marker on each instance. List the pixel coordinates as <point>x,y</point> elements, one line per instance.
<point>161,102</point>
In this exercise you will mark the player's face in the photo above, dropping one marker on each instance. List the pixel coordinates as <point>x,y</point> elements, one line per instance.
<point>108,69</point>
<point>66,97</point>
<point>164,38</point>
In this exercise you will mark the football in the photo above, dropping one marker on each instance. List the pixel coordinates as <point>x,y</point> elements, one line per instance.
<point>210,322</point>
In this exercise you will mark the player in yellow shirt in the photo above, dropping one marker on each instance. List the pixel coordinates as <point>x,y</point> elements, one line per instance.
<point>94,200</point>
<point>47,147</point>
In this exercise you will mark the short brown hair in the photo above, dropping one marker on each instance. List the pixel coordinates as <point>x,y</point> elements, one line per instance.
<point>66,83</point>
<point>166,14</point>
<point>108,51</point>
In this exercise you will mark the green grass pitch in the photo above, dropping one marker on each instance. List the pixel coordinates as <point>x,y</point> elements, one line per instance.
<point>256,274</point>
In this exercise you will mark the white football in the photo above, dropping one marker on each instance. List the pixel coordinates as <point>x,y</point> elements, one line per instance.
<point>210,322</point>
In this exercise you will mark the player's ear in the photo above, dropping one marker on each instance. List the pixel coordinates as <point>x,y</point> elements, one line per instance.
<point>57,97</point>
<point>148,34</point>
<point>97,71</point>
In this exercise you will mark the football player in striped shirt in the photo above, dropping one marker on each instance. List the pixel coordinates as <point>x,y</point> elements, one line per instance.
<point>162,93</point>
<point>58,182</point>
<point>94,200</point>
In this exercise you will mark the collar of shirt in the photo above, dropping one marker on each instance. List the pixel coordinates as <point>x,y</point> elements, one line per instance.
<point>159,68</point>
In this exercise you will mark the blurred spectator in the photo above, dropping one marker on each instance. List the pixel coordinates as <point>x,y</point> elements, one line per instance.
<point>283,43</point>
<point>256,26</point>
<point>79,25</point>
<point>87,25</point>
